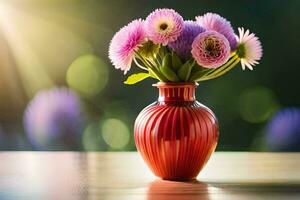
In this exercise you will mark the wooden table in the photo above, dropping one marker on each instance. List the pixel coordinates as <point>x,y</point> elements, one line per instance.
<point>121,176</point>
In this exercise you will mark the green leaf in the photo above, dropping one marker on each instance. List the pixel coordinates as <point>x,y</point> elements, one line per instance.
<point>197,68</point>
<point>162,51</point>
<point>134,78</point>
<point>149,49</point>
<point>167,60</point>
<point>198,73</point>
<point>176,62</point>
<point>157,75</point>
<point>185,71</point>
<point>152,74</point>
<point>169,73</point>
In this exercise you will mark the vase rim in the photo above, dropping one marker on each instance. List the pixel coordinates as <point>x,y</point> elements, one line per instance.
<point>172,84</point>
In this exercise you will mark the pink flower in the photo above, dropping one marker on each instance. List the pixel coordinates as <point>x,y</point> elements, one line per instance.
<point>164,26</point>
<point>211,49</point>
<point>214,22</point>
<point>249,49</point>
<point>125,42</point>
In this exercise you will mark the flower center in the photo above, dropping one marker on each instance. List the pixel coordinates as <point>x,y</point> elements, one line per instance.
<point>212,48</point>
<point>163,26</point>
<point>241,51</point>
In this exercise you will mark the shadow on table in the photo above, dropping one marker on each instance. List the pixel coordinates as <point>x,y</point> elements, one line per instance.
<point>175,190</point>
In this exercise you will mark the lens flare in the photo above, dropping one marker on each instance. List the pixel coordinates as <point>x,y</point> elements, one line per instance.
<point>115,133</point>
<point>257,104</point>
<point>88,75</point>
<point>92,139</point>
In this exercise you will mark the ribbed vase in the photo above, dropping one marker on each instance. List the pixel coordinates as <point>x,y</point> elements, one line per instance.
<point>176,134</point>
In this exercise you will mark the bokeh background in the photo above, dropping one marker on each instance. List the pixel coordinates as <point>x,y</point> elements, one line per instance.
<point>58,90</point>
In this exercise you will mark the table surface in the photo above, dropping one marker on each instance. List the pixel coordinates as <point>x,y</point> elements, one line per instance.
<point>120,176</point>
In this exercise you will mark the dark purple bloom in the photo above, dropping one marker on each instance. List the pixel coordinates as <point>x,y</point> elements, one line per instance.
<point>283,131</point>
<point>53,120</point>
<point>183,45</point>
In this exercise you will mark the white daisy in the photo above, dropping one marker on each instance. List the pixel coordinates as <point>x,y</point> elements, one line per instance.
<point>249,49</point>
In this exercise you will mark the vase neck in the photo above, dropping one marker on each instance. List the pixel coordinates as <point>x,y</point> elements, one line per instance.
<point>176,92</point>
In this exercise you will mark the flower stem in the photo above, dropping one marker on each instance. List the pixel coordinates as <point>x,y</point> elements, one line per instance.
<point>154,71</point>
<point>205,73</point>
<point>139,65</point>
<point>224,70</point>
<point>216,70</point>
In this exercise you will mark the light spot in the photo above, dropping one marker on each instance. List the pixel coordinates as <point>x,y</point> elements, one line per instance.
<point>88,75</point>
<point>115,133</point>
<point>91,138</point>
<point>257,104</point>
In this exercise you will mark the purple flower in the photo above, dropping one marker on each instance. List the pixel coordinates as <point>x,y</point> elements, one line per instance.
<point>163,26</point>
<point>125,42</point>
<point>214,22</point>
<point>283,131</point>
<point>183,45</point>
<point>53,120</point>
<point>211,49</point>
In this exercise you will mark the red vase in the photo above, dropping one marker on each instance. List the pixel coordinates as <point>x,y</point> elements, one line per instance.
<point>176,134</point>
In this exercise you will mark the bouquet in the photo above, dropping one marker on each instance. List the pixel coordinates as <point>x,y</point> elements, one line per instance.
<point>170,49</point>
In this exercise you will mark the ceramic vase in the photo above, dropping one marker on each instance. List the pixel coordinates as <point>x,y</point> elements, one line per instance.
<point>176,135</point>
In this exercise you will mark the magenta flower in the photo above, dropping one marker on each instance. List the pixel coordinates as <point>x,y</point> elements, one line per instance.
<point>214,22</point>
<point>211,49</point>
<point>183,45</point>
<point>125,42</point>
<point>164,26</point>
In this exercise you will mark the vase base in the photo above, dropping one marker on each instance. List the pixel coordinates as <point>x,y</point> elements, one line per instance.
<point>179,179</point>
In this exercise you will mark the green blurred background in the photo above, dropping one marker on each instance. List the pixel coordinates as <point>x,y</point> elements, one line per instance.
<point>45,44</point>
